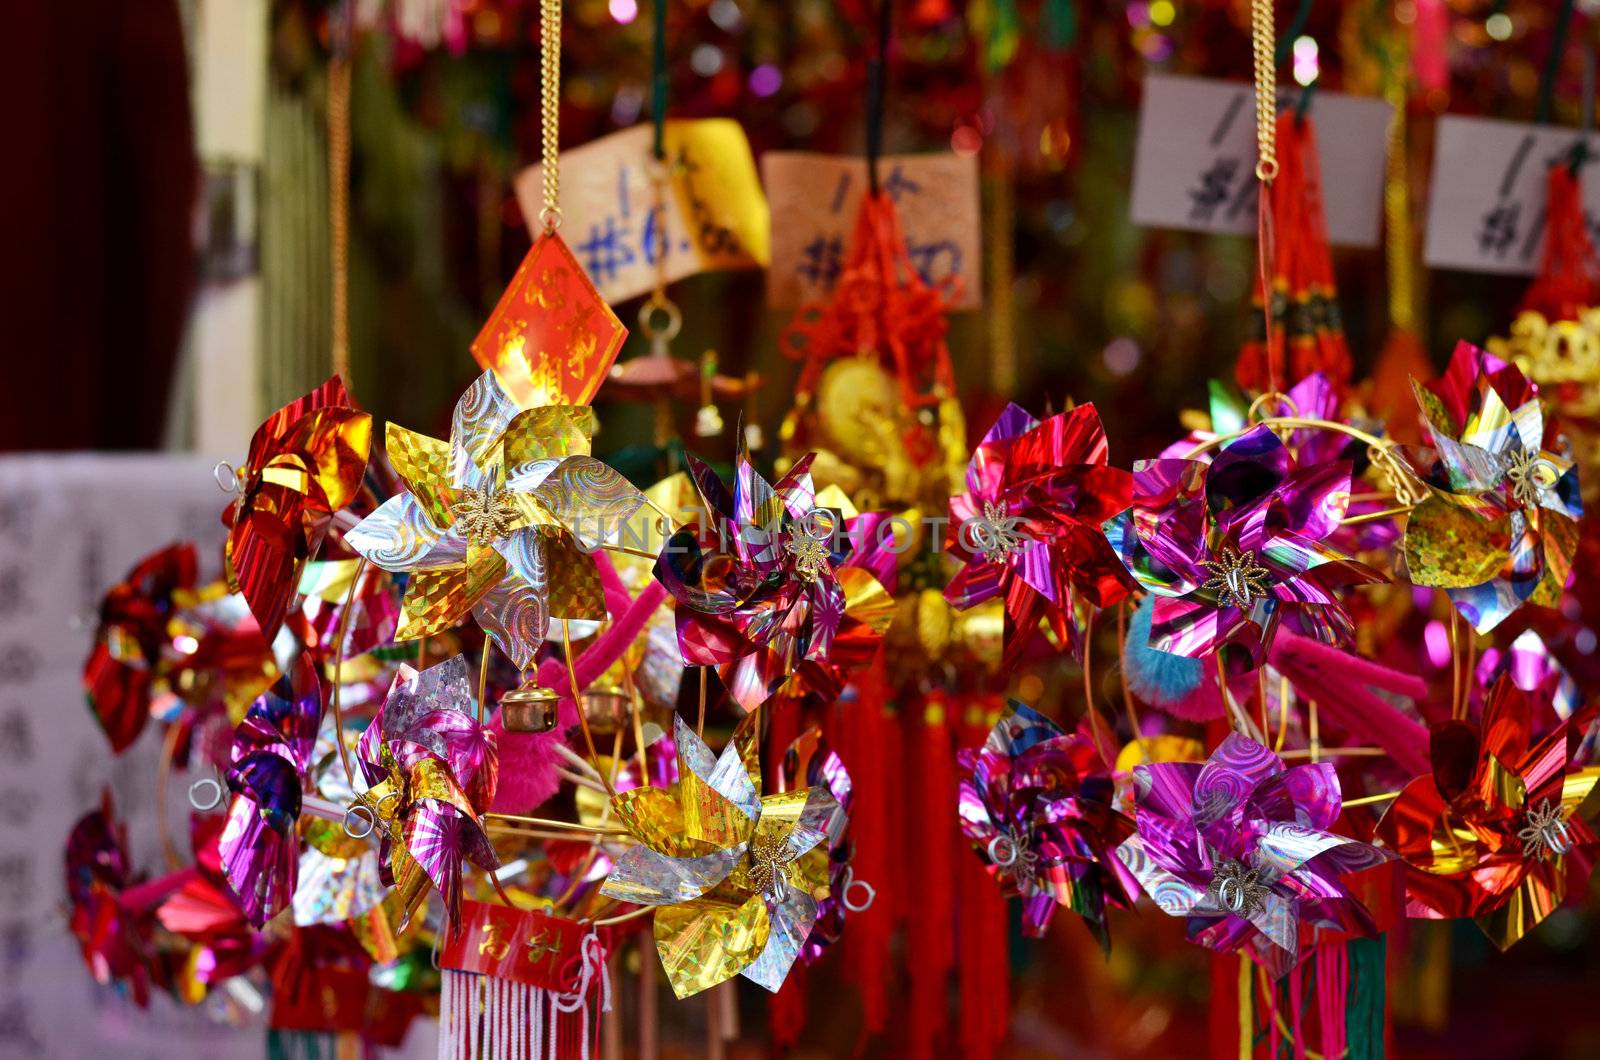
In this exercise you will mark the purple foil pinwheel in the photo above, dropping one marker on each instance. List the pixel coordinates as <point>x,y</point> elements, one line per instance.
<point>1241,846</point>
<point>272,747</point>
<point>809,763</point>
<point>1231,548</point>
<point>755,578</point>
<point>431,770</point>
<point>1037,805</point>
<point>1028,527</point>
<point>1499,527</point>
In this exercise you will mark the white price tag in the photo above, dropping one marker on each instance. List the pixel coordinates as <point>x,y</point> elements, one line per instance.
<point>1194,166</point>
<point>1486,205</point>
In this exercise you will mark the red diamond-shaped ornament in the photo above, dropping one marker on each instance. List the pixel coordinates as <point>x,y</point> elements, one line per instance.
<point>551,338</point>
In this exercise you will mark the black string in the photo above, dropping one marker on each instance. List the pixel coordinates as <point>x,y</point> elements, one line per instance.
<point>876,67</point>
<point>1291,33</point>
<point>658,80</point>
<point>1552,65</point>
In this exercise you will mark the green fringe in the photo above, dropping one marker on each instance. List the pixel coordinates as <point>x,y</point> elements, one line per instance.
<point>298,1045</point>
<point>1364,1008</point>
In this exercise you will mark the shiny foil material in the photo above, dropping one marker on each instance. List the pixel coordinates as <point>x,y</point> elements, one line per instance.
<point>1036,804</point>
<point>1464,830</point>
<point>1253,502</point>
<point>1500,525</point>
<point>1028,528</point>
<point>1244,819</point>
<point>305,463</point>
<point>486,512</point>
<point>756,579</point>
<point>736,876</point>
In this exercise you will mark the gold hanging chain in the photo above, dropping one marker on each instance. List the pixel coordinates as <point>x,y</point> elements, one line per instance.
<point>339,209</point>
<point>550,107</point>
<point>1263,44</point>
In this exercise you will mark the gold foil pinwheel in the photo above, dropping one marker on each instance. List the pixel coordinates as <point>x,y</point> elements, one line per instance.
<point>735,876</point>
<point>497,518</point>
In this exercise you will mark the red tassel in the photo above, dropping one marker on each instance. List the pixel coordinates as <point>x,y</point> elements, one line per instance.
<point>1306,335</point>
<point>786,1010</point>
<point>1224,1021</point>
<point>985,965</point>
<point>869,744</point>
<point>930,950</point>
<point>1564,287</point>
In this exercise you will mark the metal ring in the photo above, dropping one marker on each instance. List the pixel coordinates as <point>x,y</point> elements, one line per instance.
<point>1233,901</point>
<point>1271,395</point>
<point>1003,842</point>
<point>1267,170</point>
<point>979,535</point>
<point>673,323</point>
<point>844,893</point>
<point>207,804</point>
<point>1558,837</point>
<point>817,524</point>
<point>361,811</point>
<point>231,484</point>
<point>550,218</point>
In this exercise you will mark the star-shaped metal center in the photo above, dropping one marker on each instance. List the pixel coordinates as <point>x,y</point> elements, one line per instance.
<point>1545,832</point>
<point>483,516</point>
<point>1235,577</point>
<point>811,555</point>
<point>1529,475</point>
<point>1238,888</point>
<point>996,533</point>
<point>769,860</point>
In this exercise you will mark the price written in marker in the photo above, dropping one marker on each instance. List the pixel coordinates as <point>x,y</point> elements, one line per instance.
<point>818,197</point>
<point>1194,165</point>
<point>631,220</point>
<point>1486,204</point>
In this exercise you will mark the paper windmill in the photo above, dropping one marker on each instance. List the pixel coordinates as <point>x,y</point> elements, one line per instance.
<point>305,463</point>
<point>736,877</point>
<point>810,761</point>
<point>259,847</point>
<point>755,578</point>
<point>1500,525</point>
<point>1231,548</point>
<point>1504,828</point>
<point>125,661</point>
<point>1036,804</point>
<point>489,523</point>
<point>433,770</point>
<point>1241,846</point>
<point>1028,527</point>
<point>98,871</point>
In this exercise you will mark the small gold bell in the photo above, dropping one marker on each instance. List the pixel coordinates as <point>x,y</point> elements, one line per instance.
<point>529,709</point>
<point>605,708</point>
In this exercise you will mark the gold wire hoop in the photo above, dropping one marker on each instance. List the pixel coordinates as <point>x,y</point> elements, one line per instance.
<point>1277,396</point>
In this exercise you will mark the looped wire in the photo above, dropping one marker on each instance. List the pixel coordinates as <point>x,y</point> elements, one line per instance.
<point>671,322</point>
<point>851,881</point>
<point>211,784</point>
<point>1267,402</point>
<point>231,483</point>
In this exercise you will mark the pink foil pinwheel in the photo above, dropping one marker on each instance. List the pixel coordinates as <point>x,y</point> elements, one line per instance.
<point>1241,845</point>
<point>1233,547</point>
<point>432,770</point>
<point>1028,527</point>
<point>259,846</point>
<point>1500,525</point>
<point>755,578</point>
<point>1036,804</point>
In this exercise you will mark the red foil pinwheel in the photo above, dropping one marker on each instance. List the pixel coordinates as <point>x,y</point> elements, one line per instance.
<point>1036,804</point>
<point>432,769</point>
<point>1500,525</point>
<point>1243,847</point>
<point>756,578</point>
<point>305,463</point>
<point>1233,547</point>
<point>1028,528</point>
<point>125,662</point>
<point>259,849</point>
<point>1505,827</point>
<point>115,940</point>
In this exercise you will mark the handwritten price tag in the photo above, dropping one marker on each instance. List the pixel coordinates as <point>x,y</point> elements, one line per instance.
<point>1486,203</point>
<point>1194,166</point>
<point>630,219</point>
<point>818,197</point>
